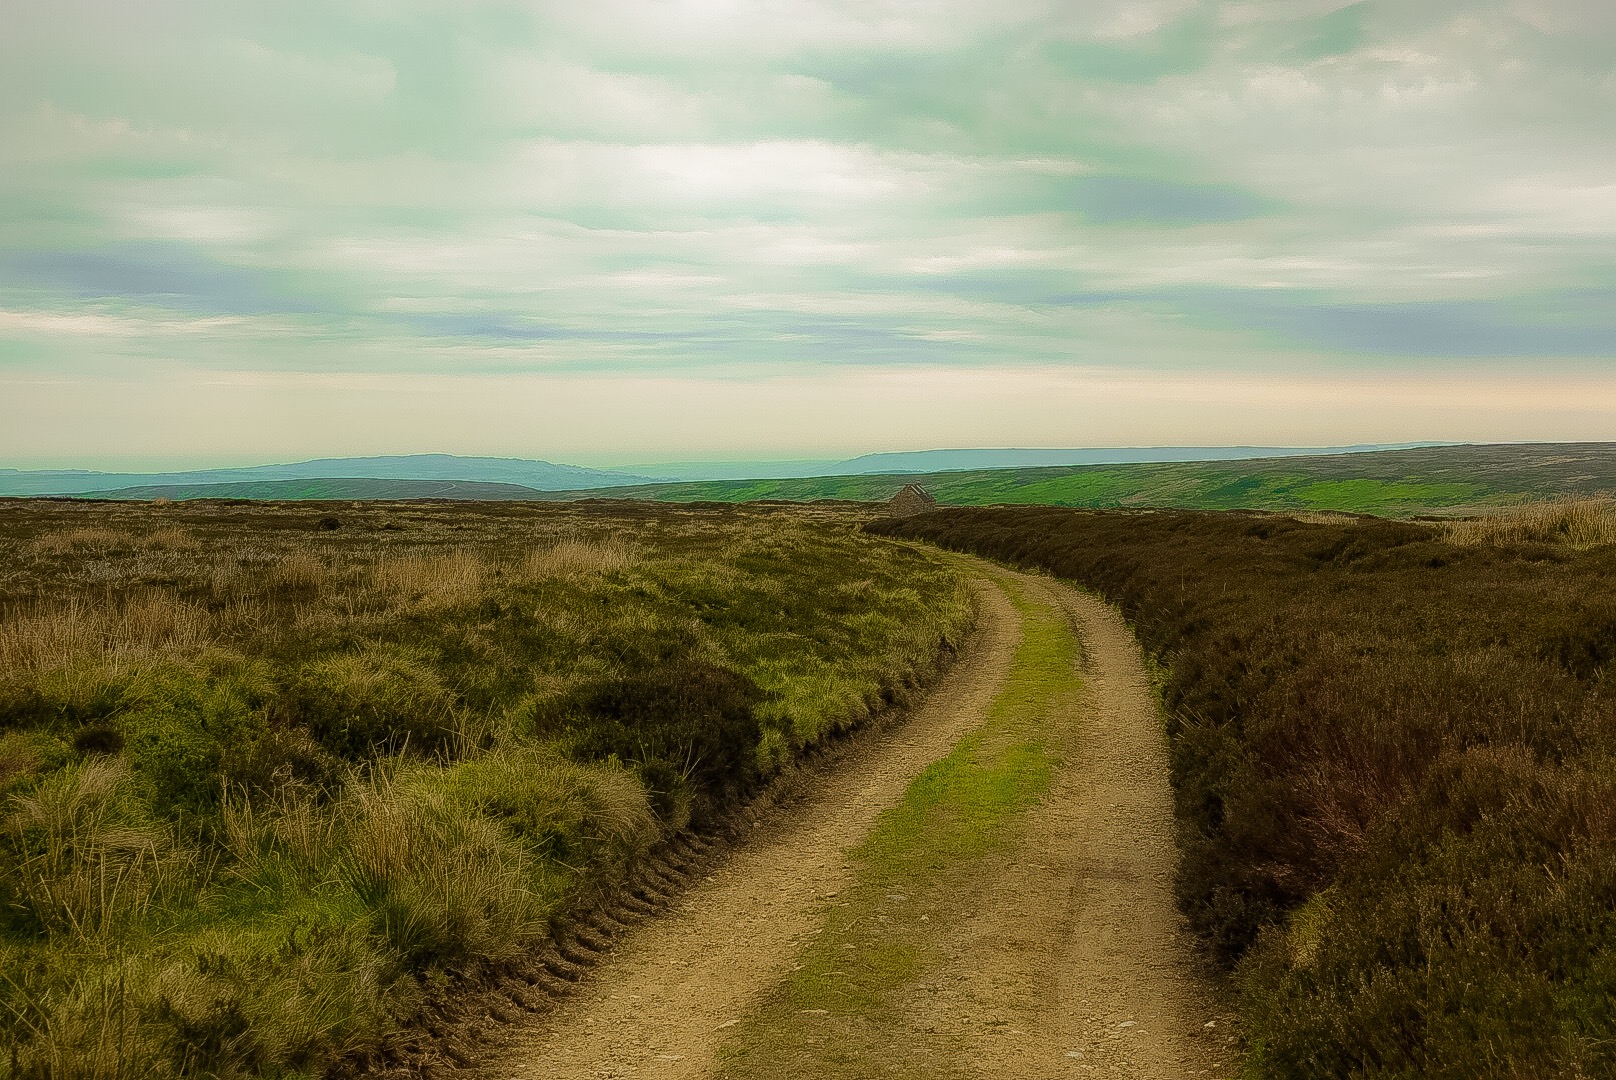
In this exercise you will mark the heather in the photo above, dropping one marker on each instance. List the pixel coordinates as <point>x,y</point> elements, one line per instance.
<point>1394,757</point>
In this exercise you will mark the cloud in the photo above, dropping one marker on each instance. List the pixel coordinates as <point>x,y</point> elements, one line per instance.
<point>1108,200</point>
<point>1341,32</point>
<point>1457,329</point>
<point>727,190</point>
<point>152,272</point>
<point>1182,45</point>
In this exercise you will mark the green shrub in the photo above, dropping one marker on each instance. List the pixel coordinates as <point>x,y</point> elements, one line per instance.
<point>686,726</point>
<point>177,724</point>
<point>559,810</point>
<point>369,702</point>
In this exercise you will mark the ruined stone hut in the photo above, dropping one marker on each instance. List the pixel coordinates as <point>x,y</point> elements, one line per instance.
<point>911,500</point>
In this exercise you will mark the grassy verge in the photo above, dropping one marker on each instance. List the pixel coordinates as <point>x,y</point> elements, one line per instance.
<point>837,1015</point>
<point>1393,748</point>
<point>269,773</point>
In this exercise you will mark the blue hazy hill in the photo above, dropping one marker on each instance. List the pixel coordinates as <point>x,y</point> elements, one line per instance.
<point>536,475</point>
<point>343,488</point>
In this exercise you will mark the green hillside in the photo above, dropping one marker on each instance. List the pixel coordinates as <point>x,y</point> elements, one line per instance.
<point>1393,482</point>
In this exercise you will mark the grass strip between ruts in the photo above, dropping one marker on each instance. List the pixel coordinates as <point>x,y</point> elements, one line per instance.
<point>837,1013</point>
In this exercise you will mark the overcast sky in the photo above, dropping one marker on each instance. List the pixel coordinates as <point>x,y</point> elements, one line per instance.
<point>625,230</point>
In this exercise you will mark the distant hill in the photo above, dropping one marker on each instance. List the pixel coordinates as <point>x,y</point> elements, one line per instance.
<point>929,461</point>
<point>548,476</point>
<point>1422,480</point>
<point>926,461</point>
<point>537,475</point>
<point>1400,482</point>
<point>348,488</point>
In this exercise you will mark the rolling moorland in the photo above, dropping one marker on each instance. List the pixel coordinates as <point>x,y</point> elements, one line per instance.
<point>275,776</point>
<point>279,777</point>
<point>382,473</point>
<point>1394,483</point>
<point>1392,748</point>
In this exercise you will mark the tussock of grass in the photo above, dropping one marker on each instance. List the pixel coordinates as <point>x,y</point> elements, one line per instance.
<point>108,636</point>
<point>442,885</point>
<point>1574,523</point>
<point>92,860</point>
<point>92,539</point>
<point>300,570</point>
<point>262,783</point>
<point>571,555</point>
<point>430,581</point>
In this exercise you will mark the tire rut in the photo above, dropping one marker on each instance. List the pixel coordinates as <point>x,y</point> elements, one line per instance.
<point>660,1004</point>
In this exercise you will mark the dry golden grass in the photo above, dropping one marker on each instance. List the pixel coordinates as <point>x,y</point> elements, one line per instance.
<point>46,638</point>
<point>432,581</point>
<point>93,1031</point>
<point>1575,523</point>
<point>300,570</point>
<point>571,555</point>
<point>87,539</point>
<point>169,538</point>
<point>1322,517</point>
<point>99,540</point>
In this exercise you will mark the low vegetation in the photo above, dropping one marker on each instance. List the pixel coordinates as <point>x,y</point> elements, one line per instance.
<point>1576,523</point>
<point>1394,755</point>
<point>269,774</point>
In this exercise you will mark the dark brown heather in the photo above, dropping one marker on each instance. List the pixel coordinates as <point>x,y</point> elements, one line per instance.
<point>1395,770</point>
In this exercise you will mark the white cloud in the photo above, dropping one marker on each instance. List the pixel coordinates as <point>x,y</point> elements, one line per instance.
<point>58,324</point>
<point>769,29</point>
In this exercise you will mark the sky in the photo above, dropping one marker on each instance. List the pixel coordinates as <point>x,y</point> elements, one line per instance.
<point>639,230</point>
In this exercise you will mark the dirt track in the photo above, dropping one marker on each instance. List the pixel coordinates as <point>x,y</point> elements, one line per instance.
<point>1071,963</point>
<point>1079,946</point>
